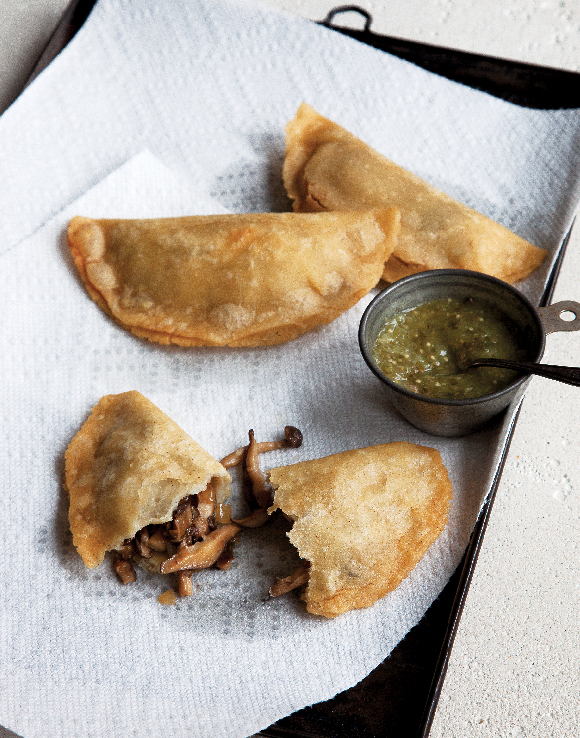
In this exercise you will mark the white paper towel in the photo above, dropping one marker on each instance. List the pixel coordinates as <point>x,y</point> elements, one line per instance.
<point>99,659</point>
<point>208,87</point>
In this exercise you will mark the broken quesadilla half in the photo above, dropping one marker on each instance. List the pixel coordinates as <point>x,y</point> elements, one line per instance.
<point>362,520</point>
<point>141,487</point>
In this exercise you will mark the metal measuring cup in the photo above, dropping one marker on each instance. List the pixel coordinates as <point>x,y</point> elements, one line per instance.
<point>460,417</point>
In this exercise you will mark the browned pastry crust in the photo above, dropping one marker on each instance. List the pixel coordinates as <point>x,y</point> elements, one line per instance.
<point>363,519</point>
<point>235,280</point>
<point>328,169</point>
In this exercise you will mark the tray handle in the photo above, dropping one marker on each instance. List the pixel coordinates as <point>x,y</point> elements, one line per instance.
<point>348,9</point>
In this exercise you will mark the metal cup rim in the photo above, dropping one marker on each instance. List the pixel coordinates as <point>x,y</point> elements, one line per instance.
<point>434,275</point>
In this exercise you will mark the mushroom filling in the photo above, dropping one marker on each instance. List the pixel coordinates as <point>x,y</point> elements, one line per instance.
<point>258,493</point>
<point>201,532</point>
<point>191,540</point>
<point>298,578</point>
<point>292,439</point>
<point>260,496</point>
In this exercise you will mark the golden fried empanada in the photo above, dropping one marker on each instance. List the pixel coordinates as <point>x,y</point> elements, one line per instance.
<point>363,519</point>
<point>235,280</point>
<point>328,169</point>
<point>128,467</point>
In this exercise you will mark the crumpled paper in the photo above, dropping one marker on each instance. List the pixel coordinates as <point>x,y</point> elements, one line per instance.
<point>207,87</point>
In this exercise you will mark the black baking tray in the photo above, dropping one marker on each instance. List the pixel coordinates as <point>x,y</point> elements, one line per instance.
<point>399,698</point>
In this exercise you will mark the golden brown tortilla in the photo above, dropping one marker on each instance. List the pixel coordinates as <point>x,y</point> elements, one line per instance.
<point>363,519</point>
<point>127,467</point>
<point>329,169</point>
<point>235,280</point>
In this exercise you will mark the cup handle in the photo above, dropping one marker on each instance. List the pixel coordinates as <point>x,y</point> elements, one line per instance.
<point>561,316</point>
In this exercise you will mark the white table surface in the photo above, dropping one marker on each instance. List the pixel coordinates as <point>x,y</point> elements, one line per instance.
<point>514,669</point>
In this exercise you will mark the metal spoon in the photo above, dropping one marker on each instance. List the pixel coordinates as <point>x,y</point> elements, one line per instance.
<point>566,374</point>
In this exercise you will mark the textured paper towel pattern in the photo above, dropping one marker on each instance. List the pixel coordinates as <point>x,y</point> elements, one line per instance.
<point>112,651</point>
<point>208,86</point>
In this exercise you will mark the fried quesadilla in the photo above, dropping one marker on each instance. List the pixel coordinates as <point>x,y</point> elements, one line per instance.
<point>235,280</point>
<point>329,169</point>
<point>363,519</point>
<point>140,486</point>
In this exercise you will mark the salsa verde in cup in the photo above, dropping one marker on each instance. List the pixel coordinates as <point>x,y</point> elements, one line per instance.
<point>427,348</point>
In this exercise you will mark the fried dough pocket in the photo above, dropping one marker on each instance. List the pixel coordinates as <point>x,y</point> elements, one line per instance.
<point>235,280</point>
<point>363,519</point>
<point>140,486</point>
<point>328,169</point>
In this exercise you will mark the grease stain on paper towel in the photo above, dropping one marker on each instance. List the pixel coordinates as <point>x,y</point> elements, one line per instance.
<point>229,604</point>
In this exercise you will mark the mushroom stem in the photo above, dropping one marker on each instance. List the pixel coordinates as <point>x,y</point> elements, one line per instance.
<point>185,585</point>
<point>235,458</point>
<point>285,584</point>
<point>255,519</point>
<point>292,439</point>
<point>260,488</point>
<point>203,554</point>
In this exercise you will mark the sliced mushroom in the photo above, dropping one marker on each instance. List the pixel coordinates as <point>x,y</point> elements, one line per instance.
<point>226,557</point>
<point>223,514</point>
<point>158,540</point>
<point>292,439</point>
<point>200,528</point>
<point>260,488</point>
<point>184,585</point>
<point>285,584</point>
<point>142,543</point>
<point>203,554</point>
<point>235,458</point>
<point>255,519</point>
<point>125,570</point>
<point>206,502</point>
<point>182,519</point>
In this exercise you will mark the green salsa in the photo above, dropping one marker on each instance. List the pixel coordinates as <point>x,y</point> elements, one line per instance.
<point>426,349</point>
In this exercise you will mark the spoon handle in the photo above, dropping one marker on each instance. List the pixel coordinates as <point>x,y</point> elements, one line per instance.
<point>566,374</point>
